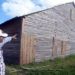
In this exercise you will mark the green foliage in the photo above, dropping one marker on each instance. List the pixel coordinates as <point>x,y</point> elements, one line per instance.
<point>59,66</point>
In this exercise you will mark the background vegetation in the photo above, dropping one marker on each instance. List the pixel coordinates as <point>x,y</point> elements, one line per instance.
<point>58,66</point>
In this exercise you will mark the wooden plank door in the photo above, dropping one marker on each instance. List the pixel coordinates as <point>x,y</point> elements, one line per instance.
<point>27,52</point>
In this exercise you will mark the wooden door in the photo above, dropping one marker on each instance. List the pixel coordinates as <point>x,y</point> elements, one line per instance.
<point>27,52</point>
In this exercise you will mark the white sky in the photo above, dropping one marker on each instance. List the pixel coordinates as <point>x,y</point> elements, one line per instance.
<point>23,7</point>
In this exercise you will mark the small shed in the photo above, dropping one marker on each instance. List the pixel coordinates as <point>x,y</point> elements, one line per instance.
<point>42,35</point>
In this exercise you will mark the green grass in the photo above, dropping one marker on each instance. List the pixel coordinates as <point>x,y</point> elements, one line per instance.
<point>58,66</point>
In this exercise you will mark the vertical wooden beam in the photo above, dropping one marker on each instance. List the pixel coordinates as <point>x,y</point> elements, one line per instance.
<point>22,46</point>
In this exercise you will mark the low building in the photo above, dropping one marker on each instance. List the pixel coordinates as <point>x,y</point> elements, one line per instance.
<point>41,35</point>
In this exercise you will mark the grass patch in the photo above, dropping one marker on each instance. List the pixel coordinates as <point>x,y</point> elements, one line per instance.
<point>58,66</point>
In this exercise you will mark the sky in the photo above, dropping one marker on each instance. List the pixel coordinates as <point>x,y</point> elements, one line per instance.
<point>13,8</point>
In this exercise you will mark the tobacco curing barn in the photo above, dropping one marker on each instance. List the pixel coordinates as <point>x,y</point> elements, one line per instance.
<point>41,35</point>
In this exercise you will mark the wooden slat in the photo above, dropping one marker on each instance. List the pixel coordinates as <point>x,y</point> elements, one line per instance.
<point>24,56</point>
<point>63,48</point>
<point>33,48</point>
<point>25,49</point>
<point>28,49</point>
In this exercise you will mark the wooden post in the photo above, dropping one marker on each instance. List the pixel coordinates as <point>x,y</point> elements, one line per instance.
<point>22,42</point>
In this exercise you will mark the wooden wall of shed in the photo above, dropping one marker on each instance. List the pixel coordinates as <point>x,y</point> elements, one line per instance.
<point>12,49</point>
<point>48,24</point>
<point>27,50</point>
